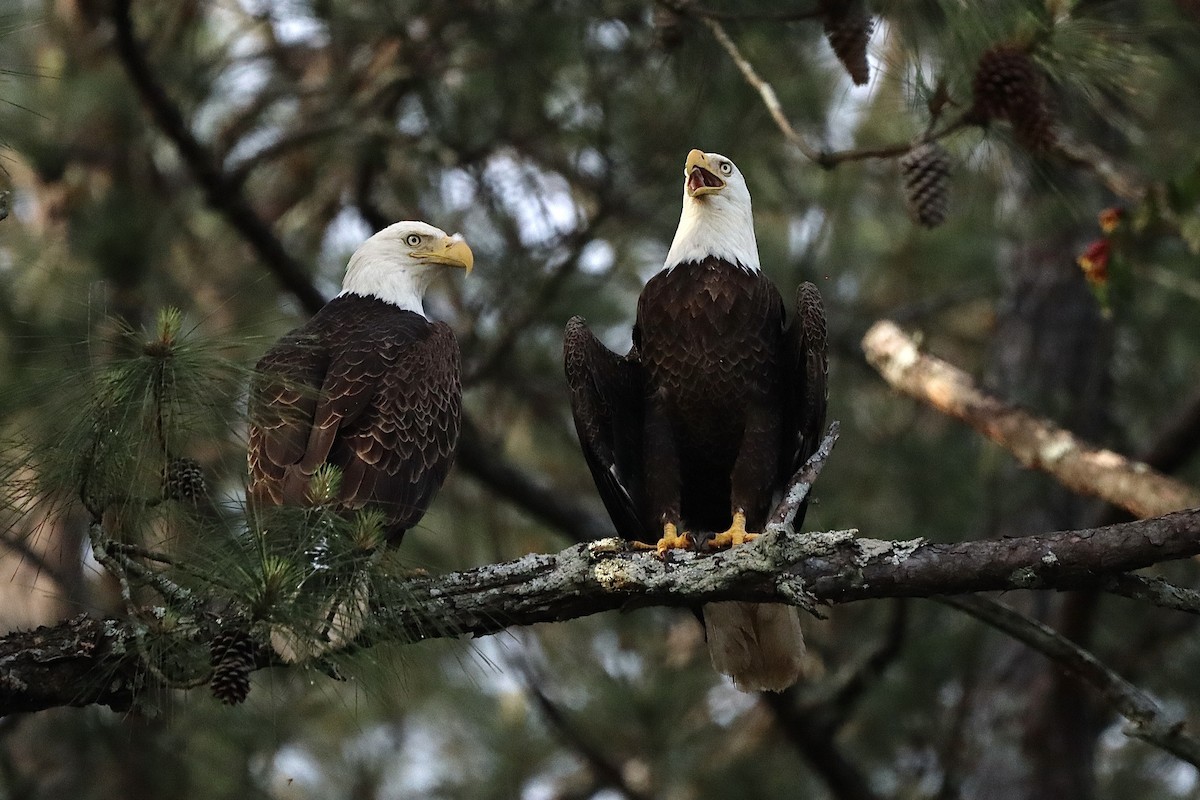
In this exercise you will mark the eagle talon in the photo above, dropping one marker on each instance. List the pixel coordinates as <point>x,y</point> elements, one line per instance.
<point>672,539</point>
<point>735,535</point>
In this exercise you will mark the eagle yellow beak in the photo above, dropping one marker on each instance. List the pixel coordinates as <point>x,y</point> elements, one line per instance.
<point>452,251</point>
<point>701,178</point>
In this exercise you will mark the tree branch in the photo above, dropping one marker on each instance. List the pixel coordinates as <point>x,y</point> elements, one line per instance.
<point>72,663</point>
<point>223,194</point>
<point>1148,719</point>
<point>826,159</point>
<point>1035,442</point>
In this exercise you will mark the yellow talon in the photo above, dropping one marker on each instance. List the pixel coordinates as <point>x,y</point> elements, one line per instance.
<point>671,539</point>
<point>735,535</point>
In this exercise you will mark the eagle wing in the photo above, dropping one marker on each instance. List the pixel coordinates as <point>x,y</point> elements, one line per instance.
<point>607,404</point>
<point>380,402</point>
<point>808,392</point>
<point>397,452</point>
<point>284,394</point>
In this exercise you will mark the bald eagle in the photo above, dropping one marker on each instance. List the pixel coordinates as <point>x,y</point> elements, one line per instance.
<point>368,385</point>
<point>698,428</point>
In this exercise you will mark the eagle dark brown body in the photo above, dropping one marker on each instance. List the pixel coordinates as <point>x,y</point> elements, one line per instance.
<point>714,408</point>
<point>697,430</point>
<point>713,347</point>
<point>369,388</point>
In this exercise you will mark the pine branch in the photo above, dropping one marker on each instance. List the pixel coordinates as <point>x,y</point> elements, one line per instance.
<point>1035,442</point>
<point>1148,720</point>
<point>85,662</point>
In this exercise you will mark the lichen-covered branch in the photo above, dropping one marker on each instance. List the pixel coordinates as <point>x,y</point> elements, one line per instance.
<point>1035,442</point>
<point>74,662</point>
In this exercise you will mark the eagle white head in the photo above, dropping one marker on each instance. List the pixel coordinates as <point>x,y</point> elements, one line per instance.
<point>717,219</point>
<point>397,264</point>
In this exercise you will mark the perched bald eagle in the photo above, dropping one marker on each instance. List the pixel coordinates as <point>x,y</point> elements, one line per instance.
<point>368,385</point>
<point>720,400</point>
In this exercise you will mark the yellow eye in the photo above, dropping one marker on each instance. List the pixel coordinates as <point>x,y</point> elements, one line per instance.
<point>413,240</point>
<point>726,168</point>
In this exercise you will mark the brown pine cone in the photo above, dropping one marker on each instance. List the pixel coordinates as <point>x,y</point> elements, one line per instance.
<point>1009,86</point>
<point>925,173</point>
<point>848,29</point>
<point>232,658</point>
<point>184,480</point>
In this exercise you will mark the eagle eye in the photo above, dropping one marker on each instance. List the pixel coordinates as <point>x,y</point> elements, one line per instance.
<point>413,240</point>
<point>726,168</point>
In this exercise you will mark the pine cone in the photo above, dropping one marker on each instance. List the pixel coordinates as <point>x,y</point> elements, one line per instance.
<point>924,172</point>
<point>232,658</point>
<point>848,29</point>
<point>184,480</point>
<point>1008,85</point>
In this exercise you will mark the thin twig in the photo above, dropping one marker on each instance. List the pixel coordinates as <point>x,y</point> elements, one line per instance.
<point>826,159</point>
<point>764,89</point>
<point>801,483</point>
<point>38,561</point>
<point>1148,720</point>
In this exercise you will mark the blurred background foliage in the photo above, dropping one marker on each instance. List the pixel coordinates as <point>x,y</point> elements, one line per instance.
<point>552,135</point>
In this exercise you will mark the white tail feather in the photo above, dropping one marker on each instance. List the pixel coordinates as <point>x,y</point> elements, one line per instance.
<point>759,645</point>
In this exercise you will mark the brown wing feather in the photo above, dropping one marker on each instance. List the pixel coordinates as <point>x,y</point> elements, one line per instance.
<point>606,403</point>
<point>809,390</point>
<point>367,387</point>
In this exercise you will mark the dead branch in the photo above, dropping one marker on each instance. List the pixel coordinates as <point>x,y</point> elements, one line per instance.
<point>1148,720</point>
<point>1037,443</point>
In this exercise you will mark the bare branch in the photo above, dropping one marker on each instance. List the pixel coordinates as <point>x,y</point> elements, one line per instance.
<point>827,159</point>
<point>764,89</point>
<point>813,739</point>
<point>1035,442</point>
<point>1148,719</point>
<point>607,773</point>
<point>223,194</point>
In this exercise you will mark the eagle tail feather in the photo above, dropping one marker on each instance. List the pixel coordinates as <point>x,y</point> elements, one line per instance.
<point>759,645</point>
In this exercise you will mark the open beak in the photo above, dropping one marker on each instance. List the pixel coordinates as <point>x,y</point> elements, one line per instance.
<point>451,251</point>
<point>701,179</point>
